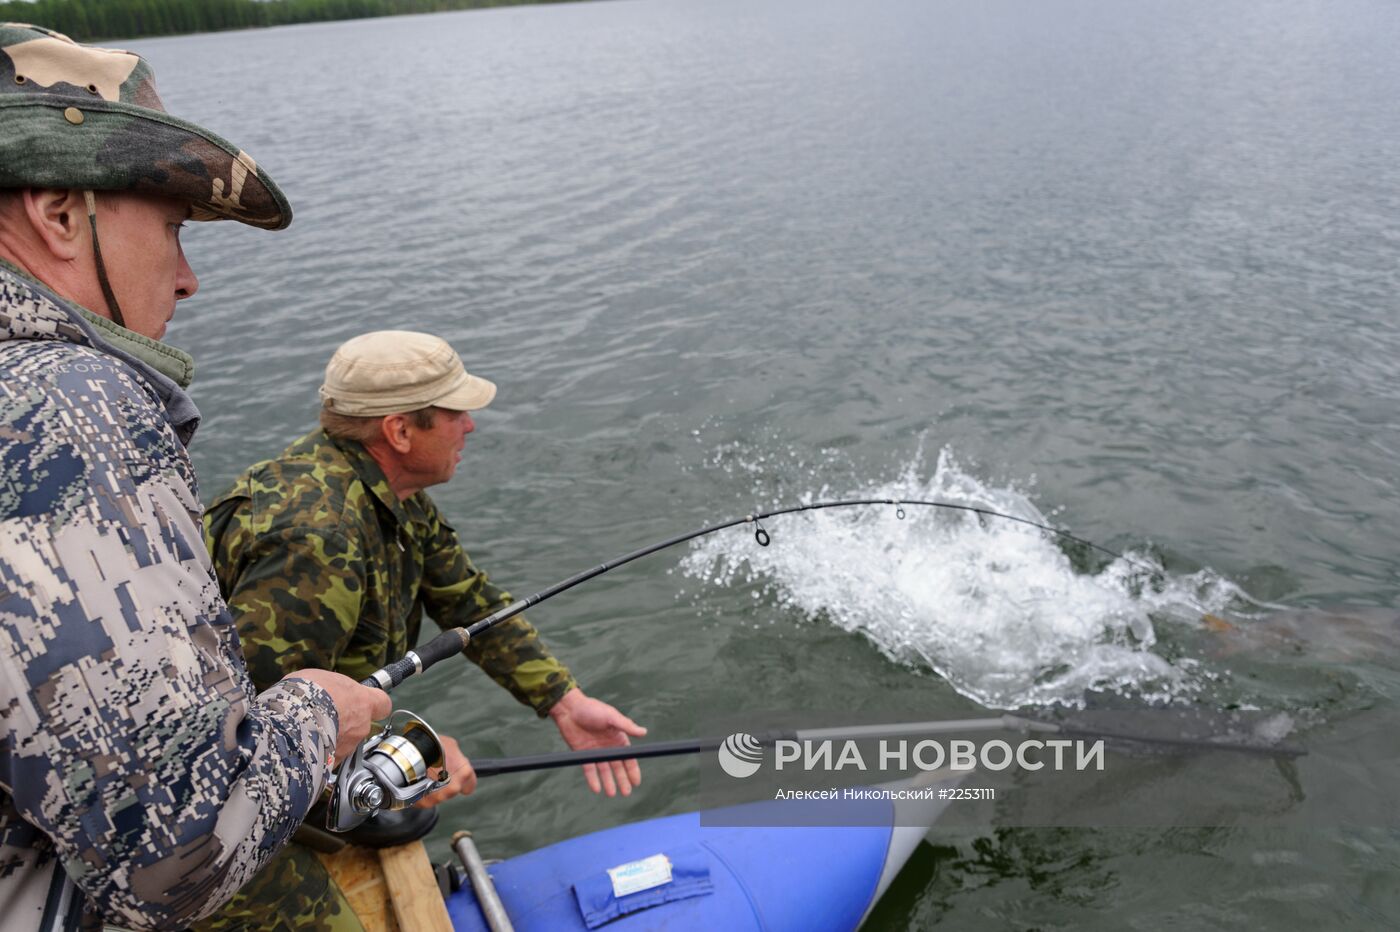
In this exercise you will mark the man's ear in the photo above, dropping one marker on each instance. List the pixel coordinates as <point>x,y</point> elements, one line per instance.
<point>58,217</point>
<point>394,429</point>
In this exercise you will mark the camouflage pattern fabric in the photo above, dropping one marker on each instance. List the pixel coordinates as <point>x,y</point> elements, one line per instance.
<point>75,116</point>
<point>295,893</point>
<point>324,567</point>
<point>134,754</point>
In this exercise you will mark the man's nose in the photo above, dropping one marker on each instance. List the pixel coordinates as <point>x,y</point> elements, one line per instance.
<point>186,282</point>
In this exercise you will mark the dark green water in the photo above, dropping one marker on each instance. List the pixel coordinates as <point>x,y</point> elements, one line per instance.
<point>1128,267</point>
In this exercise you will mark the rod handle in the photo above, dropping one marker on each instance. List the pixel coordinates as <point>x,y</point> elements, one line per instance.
<point>448,644</point>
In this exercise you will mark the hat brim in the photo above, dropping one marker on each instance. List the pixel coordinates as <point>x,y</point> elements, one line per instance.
<point>471,393</point>
<point>123,147</point>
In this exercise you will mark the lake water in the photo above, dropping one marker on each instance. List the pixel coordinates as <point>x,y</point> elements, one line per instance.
<point>1128,268</point>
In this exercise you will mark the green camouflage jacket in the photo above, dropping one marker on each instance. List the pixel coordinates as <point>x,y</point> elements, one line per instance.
<point>324,567</point>
<point>135,759</point>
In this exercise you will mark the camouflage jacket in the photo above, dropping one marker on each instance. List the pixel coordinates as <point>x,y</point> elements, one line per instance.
<point>133,751</point>
<point>323,566</point>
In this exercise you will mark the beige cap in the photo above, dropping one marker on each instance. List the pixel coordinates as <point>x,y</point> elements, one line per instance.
<point>393,371</point>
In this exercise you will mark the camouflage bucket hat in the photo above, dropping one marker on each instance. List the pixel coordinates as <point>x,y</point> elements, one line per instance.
<point>77,116</point>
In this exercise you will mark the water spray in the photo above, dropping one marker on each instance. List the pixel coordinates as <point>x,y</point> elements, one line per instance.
<point>454,641</point>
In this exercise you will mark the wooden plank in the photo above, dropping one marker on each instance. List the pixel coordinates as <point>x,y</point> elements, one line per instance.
<point>361,878</point>
<point>413,889</point>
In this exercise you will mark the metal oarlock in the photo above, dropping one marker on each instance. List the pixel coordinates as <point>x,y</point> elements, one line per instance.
<point>492,909</point>
<point>389,770</point>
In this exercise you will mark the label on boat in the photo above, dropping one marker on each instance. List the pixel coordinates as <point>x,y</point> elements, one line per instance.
<point>636,876</point>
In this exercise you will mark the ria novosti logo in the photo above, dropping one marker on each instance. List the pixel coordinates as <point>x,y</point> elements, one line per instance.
<point>740,755</point>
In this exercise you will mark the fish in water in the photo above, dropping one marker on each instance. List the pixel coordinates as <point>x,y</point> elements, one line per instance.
<point>1333,635</point>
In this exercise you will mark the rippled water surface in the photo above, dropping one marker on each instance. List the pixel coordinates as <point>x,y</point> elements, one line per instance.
<point>1126,268</point>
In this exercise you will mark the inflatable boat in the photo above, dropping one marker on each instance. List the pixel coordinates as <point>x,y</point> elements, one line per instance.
<point>744,867</point>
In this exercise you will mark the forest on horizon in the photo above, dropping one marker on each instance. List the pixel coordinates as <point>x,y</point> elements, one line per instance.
<point>88,20</point>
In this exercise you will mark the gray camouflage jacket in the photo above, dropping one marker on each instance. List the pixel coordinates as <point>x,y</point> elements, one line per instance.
<point>133,751</point>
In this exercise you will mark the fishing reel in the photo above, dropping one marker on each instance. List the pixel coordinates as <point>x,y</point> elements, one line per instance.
<point>388,770</point>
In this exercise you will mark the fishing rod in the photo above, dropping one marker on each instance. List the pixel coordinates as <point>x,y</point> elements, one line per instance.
<point>455,640</point>
<point>392,769</point>
<point>491,767</point>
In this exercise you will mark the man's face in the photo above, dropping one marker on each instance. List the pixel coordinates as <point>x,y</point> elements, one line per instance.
<point>437,450</point>
<point>140,240</point>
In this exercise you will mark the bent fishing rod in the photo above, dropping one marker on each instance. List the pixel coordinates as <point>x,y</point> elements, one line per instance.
<point>455,640</point>
<point>392,769</point>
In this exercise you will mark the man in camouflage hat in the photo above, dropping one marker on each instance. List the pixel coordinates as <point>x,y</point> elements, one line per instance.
<point>330,555</point>
<point>142,781</point>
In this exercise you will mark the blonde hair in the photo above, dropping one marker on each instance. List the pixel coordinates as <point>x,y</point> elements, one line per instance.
<point>364,430</point>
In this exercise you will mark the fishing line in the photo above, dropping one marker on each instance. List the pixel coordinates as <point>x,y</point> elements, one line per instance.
<point>455,640</point>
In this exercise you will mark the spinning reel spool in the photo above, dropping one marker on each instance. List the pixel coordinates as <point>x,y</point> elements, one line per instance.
<point>389,770</point>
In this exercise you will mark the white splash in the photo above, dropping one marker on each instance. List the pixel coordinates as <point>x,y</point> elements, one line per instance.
<point>993,606</point>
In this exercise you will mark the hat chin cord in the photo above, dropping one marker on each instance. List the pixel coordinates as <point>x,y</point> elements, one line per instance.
<point>102,280</point>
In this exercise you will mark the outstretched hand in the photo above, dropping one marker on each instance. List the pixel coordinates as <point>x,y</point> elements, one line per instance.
<point>586,723</point>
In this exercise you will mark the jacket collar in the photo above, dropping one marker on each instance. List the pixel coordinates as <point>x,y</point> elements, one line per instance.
<point>29,310</point>
<point>369,473</point>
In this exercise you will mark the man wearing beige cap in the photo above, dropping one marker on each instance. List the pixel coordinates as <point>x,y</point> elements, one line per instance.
<point>330,554</point>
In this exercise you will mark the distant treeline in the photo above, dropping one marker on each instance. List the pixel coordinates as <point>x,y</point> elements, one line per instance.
<point>106,19</point>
